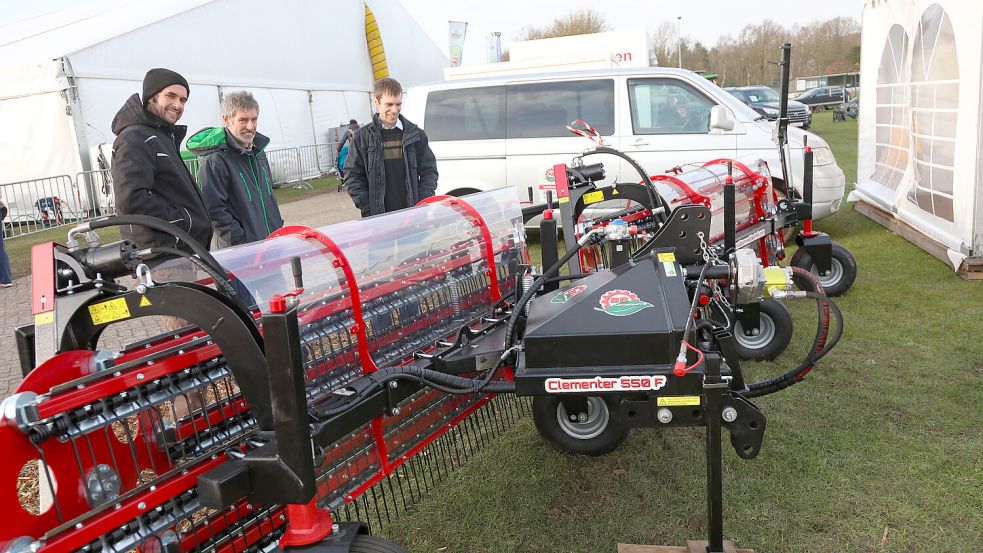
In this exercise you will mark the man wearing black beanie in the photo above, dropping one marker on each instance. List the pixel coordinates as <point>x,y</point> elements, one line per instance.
<point>149,176</point>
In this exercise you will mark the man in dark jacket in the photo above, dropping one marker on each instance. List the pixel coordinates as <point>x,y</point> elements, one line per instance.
<point>390,165</point>
<point>235,175</point>
<point>149,177</point>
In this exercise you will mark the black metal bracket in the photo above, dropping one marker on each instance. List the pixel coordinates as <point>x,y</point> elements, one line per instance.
<point>819,246</point>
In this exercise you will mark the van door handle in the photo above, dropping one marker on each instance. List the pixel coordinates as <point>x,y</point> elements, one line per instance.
<point>640,142</point>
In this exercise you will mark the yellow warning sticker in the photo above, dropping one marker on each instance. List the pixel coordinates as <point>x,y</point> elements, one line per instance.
<point>563,199</point>
<point>678,401</point>
<point>44,318</point>
<point>109,311</point>
<point>670,256</point>
<point>593,197</point>
<point>614,192</point>
<point>144,302</point>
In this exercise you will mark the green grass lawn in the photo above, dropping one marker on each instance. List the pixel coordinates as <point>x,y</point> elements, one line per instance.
<point>19,249</point>
<point>878,450</point>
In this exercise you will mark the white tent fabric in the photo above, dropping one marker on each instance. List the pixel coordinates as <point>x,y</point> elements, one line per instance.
<point>918,165</point>
<point>64,76</point>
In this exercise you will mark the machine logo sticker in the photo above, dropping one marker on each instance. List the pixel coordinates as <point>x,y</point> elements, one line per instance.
<point>566,295</point>
<point>601,384</point>
<point>621,303</point>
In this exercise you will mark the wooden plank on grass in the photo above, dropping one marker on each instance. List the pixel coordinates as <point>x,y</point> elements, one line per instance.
<point>691,547</point>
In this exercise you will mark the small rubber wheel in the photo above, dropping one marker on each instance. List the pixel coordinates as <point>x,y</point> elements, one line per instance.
<point>842,274</point>
<point>371,544</point>
<point>602,432</point>
<point>774,333</point>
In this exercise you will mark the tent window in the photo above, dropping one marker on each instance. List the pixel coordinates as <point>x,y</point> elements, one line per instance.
<point>892,135</point>
<point>934,99</point>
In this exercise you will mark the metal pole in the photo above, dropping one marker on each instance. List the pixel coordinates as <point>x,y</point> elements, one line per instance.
<point>679,39</point>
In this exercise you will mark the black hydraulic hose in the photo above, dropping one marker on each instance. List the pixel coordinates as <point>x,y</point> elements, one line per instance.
<point>218,277</point>
<point>822,344</point>
<point>434,379</point>
<point>561,278</point>
<point>531,291</point>
<point>158,225</point>
<point>656,198</point>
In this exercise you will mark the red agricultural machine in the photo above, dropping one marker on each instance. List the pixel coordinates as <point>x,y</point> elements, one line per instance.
<point>325,379</point>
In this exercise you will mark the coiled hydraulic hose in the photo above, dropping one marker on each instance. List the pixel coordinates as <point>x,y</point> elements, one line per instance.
<point>218,277</point>
<point>205,260</point>
<point>155,224</point>
<point>821,345</point>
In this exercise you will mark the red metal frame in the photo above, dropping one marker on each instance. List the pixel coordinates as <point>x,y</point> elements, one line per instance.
<point>340,262</point>
<point>43,278</point>
<point>468,210</point>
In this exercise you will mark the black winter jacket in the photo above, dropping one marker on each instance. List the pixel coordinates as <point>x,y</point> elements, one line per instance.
<point>365,171</point>
<point>237,185</point>
<point>149,178</point>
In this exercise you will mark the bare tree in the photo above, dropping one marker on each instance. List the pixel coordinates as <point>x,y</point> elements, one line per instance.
<point>664,43</point>
<point>574,23</point>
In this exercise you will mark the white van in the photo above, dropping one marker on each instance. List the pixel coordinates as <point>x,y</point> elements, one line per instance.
<point>511,129</point>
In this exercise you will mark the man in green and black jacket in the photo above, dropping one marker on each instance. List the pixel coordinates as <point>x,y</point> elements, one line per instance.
<point>235,176</point>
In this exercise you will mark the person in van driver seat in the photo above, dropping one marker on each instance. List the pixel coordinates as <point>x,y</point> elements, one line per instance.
<point>390,165</point>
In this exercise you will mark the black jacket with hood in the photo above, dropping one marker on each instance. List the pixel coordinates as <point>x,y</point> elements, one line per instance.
<point>150,178</point>
<point>237,185</point>
<point>365,171</point>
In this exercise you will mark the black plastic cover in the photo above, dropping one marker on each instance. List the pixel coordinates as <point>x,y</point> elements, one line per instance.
<point>632,315</point>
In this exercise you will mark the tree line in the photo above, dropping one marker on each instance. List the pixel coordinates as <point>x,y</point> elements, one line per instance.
<point>819,48</point>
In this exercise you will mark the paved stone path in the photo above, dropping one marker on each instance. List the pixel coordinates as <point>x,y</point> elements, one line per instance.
<point>15,302</point>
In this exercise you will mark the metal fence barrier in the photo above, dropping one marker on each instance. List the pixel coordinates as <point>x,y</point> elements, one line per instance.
<point>98,185</point>
<point>40,204</point>
<point>318,159</point>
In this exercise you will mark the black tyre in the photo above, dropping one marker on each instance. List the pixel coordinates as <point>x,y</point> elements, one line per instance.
<point>372,544</point>
<point>819,108</point>
<point>842,274</point>
<point>774,333</point>
<point>601,433</point>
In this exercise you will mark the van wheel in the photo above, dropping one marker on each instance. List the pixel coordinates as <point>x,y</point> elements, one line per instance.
<point>602,431</point>
<point>819,108</point>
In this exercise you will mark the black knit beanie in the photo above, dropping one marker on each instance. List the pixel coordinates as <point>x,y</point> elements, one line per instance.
<point>158,79</point>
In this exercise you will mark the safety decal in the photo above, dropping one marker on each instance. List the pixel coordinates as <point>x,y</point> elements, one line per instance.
<point>679,401</point>
<point>44,318</point>
<point>621,303</point>
<point>109,311</point>
<point>566,295</point>
<point>601,384</point>
<point>593,197</point>
<point>144,302</point>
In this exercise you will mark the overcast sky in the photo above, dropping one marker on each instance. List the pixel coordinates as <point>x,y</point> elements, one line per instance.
<point>702,20</point>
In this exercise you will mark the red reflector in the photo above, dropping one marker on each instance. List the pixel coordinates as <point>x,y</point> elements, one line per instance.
<point>704,299</point>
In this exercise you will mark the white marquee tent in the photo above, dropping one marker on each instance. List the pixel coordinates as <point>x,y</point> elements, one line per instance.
<point>920,168</point>
<point>63,76</point>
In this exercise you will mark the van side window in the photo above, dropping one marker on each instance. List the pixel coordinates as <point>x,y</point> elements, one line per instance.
<point>667,106</point>
<point>466,114</point>
<point>539,110</point>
